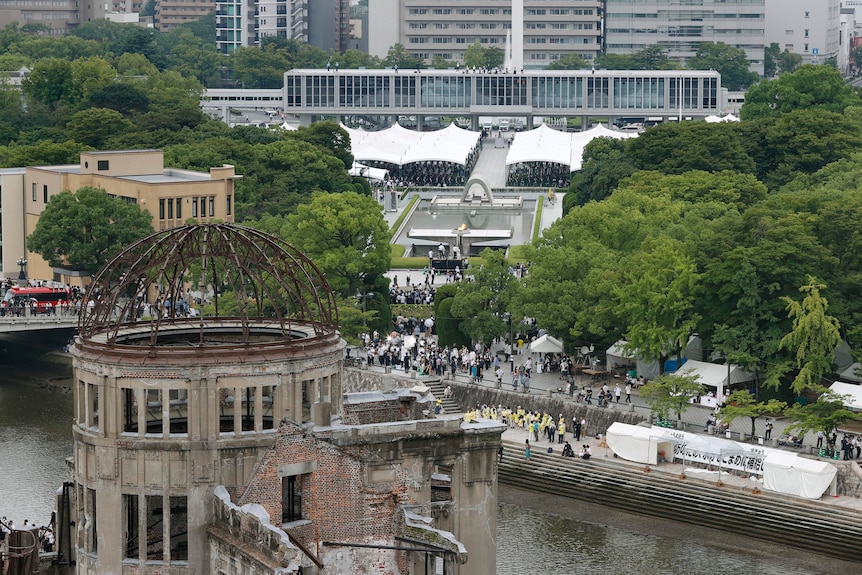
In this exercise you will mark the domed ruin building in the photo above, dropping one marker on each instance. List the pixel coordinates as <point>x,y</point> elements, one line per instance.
<point>212,437</point>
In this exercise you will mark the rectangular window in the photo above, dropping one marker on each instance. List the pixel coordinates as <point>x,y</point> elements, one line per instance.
<point>34,191</point>
<point>93,420</point>
<point>161,208</point>
<point>212,206</point>
<point>45,194</point>
<point>102,165</point>
<point>228,205</point>
<point>179,527</point>
<point>93,531</point>
<point>170,208</point>
<point>154,411</point>
<point>155,528</point>
<point>131,526</point>
<point>203,206</point>
<point>179,208</point>
<point>291,499</point>
<point>194,207</point>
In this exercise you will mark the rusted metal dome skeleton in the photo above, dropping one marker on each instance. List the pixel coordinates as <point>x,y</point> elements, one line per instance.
<point>260,291</point>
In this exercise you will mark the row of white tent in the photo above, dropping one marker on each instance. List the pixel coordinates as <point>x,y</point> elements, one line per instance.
<point>715,376</point>
<point>713,119</point>
<point>398,145</point>
<point>545,144</point>
<point>782,471</point>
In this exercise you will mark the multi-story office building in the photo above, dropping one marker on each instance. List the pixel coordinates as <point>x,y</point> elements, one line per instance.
<point>810,29</point>
<point>446,28</point>
<point>139,177</point>
<point>59,16</point>
<point>680,26</point>
<point>322,23</point>
<point>173,13</point>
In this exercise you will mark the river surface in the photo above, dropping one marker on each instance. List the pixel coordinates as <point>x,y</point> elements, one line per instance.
<point>537,534</point>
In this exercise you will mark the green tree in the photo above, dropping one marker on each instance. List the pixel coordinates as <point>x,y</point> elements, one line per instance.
<point>481,303</point>
<point>810,87</point>
<point>789,62</point>
<point>743,404</point>
<point>652,58</point>
<point>668,394</point>
<point>568,62</point>
<point>477,56</point>
<point>94,126</point>
<point>329,137</point>
<point>399,56</point>
<point>731,62</point>
<point>356,59</point>
<point>604,164</point>
<point>606,61</point>
<point>81,230</point>
<point>657,297</point>
<point>346,236</point>
<point>814,337</point>
<point>124,97</point>
<point>50,83</point>
<point>777,62</point>
<point>448,332</point>
<point>825,414</point>
<point>675,148</point>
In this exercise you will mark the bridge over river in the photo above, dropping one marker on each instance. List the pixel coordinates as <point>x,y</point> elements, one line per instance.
<point>26,323</point>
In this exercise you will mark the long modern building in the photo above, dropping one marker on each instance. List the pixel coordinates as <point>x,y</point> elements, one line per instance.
<point>663,95</point>
<point>680,26</point>
<point>446,28</point>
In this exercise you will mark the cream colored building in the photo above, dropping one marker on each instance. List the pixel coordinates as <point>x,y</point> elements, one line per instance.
<point>139,177</point>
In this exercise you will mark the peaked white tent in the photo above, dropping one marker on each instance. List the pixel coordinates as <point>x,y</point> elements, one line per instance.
<point>716,376</point>
<point>545,144</point>
<point>712,119</point>
<point>546,344</point>
<point>792,475</point>
<point>852,393</point>
<point>398,145</point>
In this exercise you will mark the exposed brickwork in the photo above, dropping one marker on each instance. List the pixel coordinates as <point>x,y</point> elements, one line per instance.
<point>400,409</point>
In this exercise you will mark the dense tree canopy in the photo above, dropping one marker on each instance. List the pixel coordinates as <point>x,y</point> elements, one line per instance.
<point>811,87</point>
<point>81,230</point>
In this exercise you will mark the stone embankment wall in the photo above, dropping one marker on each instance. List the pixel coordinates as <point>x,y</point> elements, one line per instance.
<point>468,396</point>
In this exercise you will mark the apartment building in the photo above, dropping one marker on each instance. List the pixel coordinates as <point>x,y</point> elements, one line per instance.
<point>172,13</point>
<point>446,28</point>
<point>321,23</point>
<point>680,26</point>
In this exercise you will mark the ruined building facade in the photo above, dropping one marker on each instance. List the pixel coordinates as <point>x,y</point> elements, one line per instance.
<point>222,444</point>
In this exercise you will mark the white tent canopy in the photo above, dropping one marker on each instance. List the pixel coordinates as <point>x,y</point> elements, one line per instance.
<point>546,344</point>
<point>618,355</point>
<point>545,144</point>
<point>853,393</point>
<point>787,473</point>
<point>715,375</point>
<point>783,472</point>
<point>712,119</point>
<point>398,145</point>
<point>368,172</point>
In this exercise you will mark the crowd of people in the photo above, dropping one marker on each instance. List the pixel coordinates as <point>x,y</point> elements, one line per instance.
<point>44,535</point>
<point>539,174</point>
<point>431,172</point>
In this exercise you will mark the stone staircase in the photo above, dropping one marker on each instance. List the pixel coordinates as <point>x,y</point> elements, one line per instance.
<point>437,387</point>
<point>813,526</point>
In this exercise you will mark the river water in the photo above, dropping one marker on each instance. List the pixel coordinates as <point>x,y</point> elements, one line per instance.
<point>537,534</point>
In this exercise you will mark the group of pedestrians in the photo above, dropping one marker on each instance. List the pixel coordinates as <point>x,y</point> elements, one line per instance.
<point>543,174</point>
<point>43,534</point>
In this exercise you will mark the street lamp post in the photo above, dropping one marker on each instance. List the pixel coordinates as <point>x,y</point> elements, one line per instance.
<point>22,276</point>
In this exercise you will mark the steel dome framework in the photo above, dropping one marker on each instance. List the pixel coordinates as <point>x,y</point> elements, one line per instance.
<point>255,283</point>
